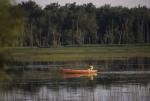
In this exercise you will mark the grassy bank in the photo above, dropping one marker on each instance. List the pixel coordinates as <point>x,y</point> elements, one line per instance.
<point>80,53</point>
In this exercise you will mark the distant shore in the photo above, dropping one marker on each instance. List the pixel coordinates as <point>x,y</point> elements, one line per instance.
<point>78,53</point>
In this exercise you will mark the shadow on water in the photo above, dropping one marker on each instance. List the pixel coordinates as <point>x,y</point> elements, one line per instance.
<point>117,80</point>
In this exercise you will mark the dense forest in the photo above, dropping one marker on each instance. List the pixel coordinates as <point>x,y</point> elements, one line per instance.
<point>72,24</point>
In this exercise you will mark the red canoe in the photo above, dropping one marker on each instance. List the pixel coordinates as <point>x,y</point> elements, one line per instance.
<point>77,75</point>
<point>78,71</point>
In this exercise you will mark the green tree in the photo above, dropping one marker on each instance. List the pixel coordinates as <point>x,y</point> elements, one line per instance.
<point>32,19</point>
<point>10,23</point>
<point>71,24</point>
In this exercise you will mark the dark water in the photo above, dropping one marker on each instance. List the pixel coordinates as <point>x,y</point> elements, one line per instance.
<point>117,80</point>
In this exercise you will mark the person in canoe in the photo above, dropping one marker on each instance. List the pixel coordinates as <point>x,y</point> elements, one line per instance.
<point>91,68</point>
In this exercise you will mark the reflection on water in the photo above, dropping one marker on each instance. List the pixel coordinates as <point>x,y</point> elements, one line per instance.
<point>118,80</point>
<point>98,93</point>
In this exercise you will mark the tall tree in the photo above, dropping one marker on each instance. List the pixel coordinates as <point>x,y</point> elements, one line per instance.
<point>10,23</point>
<point>33,14</point>
<point>71,24</point>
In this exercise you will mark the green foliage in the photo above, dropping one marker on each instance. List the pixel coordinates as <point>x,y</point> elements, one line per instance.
<point>72,24</point>
<point>79,53</point>
<point>4,77</point>
<point>10,23</point>
<point>5,58</point>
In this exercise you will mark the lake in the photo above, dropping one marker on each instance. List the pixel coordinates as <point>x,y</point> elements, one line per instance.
<point>117,79</point>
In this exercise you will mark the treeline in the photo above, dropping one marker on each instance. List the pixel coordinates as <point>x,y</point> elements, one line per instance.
<point>71,24</point>
<point>10,23</point>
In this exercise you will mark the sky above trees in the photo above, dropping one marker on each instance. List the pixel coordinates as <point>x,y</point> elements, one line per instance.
<point>97,3</point>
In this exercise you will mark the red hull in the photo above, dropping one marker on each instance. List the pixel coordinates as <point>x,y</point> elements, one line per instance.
<point>75,75</point>
<point>78,71</point>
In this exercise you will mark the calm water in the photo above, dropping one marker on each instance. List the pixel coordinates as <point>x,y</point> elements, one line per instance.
<point>117,80</point>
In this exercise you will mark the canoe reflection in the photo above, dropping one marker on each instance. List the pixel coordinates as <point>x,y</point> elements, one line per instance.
<point>89,75</point>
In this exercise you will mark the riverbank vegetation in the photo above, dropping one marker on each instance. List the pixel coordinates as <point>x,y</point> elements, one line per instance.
<point>10,27</point>
<point>56,25</point>
<point>78,53</point>
<point>29,33</point>
<point>73,32</point>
